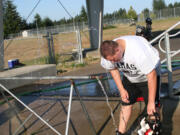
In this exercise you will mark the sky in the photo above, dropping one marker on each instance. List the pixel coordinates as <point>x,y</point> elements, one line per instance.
<point>53,10</point>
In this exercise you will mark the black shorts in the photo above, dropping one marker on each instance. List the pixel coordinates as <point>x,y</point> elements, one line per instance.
<point>136,90</point>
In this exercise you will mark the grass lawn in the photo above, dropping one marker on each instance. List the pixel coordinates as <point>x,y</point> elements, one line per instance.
<point>35,50</point>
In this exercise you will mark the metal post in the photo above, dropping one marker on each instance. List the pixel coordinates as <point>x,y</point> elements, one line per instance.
<point>79,46</point>
<point>84,109</point>
<point>94,7</point>
<point>49,47</point>
<point>52,50</point>
<point>69,109</point>
<point>1,38</point>
<point>100,29</point>
<point>64,108</point>
<point>160,13</point>
<point>74,24</point>
<point>169,66</point>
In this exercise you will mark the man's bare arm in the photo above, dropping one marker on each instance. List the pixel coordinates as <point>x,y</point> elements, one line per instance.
<point>117,78</point>
<point>152,86</point>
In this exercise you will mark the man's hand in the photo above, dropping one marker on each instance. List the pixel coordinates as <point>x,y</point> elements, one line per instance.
<point>151,109</point>
<point>124,96</point>
<point>117,78</point>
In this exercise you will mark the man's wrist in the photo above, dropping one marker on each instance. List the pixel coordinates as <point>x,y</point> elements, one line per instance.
<point>151,101</point>
<point>122,90</point>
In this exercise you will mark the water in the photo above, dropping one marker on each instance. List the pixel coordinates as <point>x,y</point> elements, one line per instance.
<point>86,88</point>
<point>107,101</point>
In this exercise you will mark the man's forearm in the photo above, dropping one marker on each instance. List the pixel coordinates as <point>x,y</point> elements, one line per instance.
<point>152,85</point>
<point>117,78</point>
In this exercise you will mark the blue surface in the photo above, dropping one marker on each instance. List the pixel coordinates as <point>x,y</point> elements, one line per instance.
<point>13,63</point>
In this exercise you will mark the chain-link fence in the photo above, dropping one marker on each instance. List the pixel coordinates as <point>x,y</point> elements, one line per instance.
<point>34,47</point>
<point>165,13</point>
<point>53,48</point>
<point>52,29</point>
<point>160,14</point>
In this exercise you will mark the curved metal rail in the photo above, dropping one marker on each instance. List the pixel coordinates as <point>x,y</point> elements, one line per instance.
<point>169,54</point>
<point>162,50</point>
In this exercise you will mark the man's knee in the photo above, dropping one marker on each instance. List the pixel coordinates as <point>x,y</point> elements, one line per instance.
<point>126,107</point>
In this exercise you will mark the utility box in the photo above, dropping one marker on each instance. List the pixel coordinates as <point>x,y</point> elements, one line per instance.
<point>13,63</point>
<point>25,33</point>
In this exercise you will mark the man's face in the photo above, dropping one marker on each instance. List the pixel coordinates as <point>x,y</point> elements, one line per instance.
<point>116,57</point>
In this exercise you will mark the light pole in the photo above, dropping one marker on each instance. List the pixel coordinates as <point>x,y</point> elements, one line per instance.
<point>1,38</point>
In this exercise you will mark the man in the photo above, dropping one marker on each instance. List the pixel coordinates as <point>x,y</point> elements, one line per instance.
<point>140,64</point>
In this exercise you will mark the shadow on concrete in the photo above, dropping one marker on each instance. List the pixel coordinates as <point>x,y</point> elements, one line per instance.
<point>107,119</point>
<point>42,129</point>
<point>14,108</point>
<point>169,106</point>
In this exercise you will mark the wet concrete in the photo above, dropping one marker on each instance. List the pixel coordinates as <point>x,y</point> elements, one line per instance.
<point>54,111</point>
<point>52,107</point>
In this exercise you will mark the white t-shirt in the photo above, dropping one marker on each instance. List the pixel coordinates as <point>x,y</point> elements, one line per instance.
<point>139,59</point>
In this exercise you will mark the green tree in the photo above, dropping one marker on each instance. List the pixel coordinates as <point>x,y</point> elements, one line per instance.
<point>83,14</point>
<point>47,22</point>
<point>62,21</point>
<point>177,4</point>
<point>12,20</point>
<point>70,20</point>
<point>132,13</point>
<point>146,13</point>
<point>108,16</point>
<point>77,18</point>
<point>23,25</point>
<point>158,4</point>
<point>37,20</point>
<point>170,5</point>
<point>121,13</point>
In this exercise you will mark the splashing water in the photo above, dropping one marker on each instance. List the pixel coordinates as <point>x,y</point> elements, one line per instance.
<point>107,101</point>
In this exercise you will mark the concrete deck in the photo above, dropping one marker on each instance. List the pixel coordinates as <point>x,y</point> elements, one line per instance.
<point>54,111</point>
<point>34,70</point>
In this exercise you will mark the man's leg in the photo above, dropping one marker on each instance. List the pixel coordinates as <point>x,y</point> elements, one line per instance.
<point>125,114</point>
<point>126,108</point>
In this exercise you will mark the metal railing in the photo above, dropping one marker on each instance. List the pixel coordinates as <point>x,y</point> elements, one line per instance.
<point>33,112</point>
<point>169,54</point>
<point>72,87</point>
